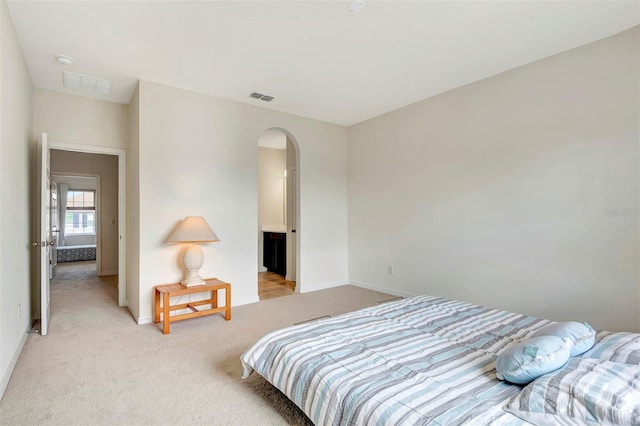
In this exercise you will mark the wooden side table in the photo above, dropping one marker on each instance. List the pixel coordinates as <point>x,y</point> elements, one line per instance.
<point>171,290</point>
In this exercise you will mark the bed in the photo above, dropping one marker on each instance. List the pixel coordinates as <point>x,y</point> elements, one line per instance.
<point>428,360</point>
<point>76,253</point>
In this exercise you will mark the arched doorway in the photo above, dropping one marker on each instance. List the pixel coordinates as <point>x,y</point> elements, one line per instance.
<point>278,214</point>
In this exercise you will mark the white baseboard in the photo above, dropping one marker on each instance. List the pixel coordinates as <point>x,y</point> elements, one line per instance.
<point>245,301</point>
<point>308,288</point>
<point>262,269</point>
<point>134,314</point>
<point>14,359</point>
<point>145,320</point>
<point>105,273</point>
<point>391,291</point>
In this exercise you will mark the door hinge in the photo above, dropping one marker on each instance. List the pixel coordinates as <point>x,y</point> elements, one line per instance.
<point>43,243</point>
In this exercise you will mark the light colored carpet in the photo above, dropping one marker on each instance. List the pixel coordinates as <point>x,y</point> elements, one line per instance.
<point>97,366</point>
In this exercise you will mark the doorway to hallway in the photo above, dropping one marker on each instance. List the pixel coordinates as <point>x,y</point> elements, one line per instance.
<point>111,231</point>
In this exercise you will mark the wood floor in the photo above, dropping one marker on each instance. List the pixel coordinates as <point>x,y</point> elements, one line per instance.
<point>272,285</point>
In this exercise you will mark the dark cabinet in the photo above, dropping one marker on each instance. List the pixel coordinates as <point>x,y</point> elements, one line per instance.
<point>274,256</point>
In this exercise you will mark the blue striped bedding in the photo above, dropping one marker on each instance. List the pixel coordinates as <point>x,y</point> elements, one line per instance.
<point>423,360</point>
<point>584,391</point>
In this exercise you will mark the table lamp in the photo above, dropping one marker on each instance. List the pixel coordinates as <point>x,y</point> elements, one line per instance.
<point>193,230</point>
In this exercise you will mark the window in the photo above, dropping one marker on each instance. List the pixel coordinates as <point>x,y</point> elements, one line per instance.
<point>81,212</point>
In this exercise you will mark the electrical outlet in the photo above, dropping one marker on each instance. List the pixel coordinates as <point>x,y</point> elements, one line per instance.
<point>390,270</point>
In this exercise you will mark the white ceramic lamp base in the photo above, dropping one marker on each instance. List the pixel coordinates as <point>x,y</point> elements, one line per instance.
<point>193,260</point>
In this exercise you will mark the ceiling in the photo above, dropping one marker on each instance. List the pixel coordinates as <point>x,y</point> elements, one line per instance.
<point>315,57</point>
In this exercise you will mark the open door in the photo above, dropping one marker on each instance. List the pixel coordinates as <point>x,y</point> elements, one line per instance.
<point>43,246</point>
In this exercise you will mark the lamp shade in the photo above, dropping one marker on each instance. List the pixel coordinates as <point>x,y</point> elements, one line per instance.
<point>193,229</point>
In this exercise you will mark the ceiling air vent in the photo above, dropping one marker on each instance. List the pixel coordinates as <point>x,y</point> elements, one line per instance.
<point>262,97</point>
<point>86,83</point>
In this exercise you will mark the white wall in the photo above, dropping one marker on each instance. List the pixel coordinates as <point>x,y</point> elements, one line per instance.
<point>79,120</point>
<point>76,182</point>
<point>16,145</point>
<point>83,240</point>
<point>500,192</point>
<point>271,166</point>
<point>198,156</point>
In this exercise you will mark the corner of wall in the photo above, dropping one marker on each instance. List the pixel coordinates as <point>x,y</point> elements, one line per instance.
<point>135,315</point>
<point>133,207</point>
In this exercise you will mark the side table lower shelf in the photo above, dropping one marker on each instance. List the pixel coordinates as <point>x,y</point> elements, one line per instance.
<point>171,290</point>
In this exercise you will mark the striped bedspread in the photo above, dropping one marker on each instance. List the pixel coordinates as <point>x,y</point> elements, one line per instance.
<point>584,391</point>
<point>423,360</point>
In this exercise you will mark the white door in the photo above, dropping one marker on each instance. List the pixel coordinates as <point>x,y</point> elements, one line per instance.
<point>43,246</point>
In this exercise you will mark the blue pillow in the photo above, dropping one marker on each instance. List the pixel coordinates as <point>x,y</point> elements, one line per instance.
<point>526,361</point>
<point>581,337</point>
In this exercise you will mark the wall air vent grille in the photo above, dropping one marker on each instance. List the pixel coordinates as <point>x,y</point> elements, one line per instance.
<point>262,97</point>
